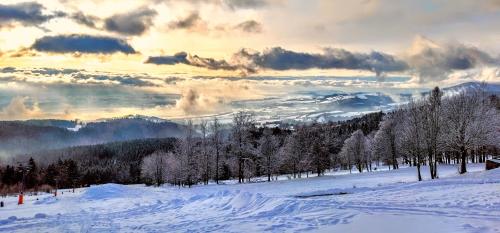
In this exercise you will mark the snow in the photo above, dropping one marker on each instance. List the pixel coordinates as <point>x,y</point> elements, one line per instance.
<point>382,201</point>
<point>76,128</point>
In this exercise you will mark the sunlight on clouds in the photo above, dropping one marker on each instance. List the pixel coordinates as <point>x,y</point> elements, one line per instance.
<point>294,47</point>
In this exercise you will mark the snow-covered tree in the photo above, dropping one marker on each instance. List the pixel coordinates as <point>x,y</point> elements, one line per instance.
<point>355,150</point>
<point>154,168</point>
<point>432,120</point>
<point>268,148</point>
<point>217,141</point>
<point>240,136</point>
<point>413,136</point>
<point>386,140</point>
<point>470,121</point>
<point>186,152</point>
<point>205,159</point>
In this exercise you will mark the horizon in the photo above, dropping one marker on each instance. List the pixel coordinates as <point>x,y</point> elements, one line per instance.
<point>91,59</point>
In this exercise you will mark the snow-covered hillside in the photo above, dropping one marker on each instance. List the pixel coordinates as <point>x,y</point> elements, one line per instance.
<point>383,201</point>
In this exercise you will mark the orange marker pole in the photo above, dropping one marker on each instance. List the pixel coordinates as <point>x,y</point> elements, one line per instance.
<point>20,201</point>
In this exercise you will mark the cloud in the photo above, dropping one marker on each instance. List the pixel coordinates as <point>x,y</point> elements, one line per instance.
<point>192,102</point>
<point>88,20</point>
<point>250,26</point>
<point>132,81</point>
<point>278,58</point>
<point>245,4</point>
<point>18,109</point>
<point>173,80</point>
<point>52,71</point>
<point>131,23</point>
<point>192,22</point>
<point>82,44</point>
<point>27,14</point>
<point>126,80</point>
<point>426,60</point>
<point>195,60</point>
<point>8,69</point>
<point>178,58</point>
<point>432,61</point>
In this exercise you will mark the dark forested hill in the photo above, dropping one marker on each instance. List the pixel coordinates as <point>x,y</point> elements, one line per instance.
<point>18,137</point>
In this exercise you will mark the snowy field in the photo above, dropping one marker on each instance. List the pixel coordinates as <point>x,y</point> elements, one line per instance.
<point>383,201</point>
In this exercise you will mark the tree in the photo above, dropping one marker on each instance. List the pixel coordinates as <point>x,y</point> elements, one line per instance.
<point>73,173</point>
<point>242,123</point>
<point>470,121</point>
<point>268,148</point>
<point>31,180</point>
<point>204,151</point>
<point>386,140</point>
<point>154,168</point>
<point>355,150</point>
<point>318,151</point>
<point>413,136</point>
<point>217,140</point>
<point>186,150</point>
<point>432,128</point>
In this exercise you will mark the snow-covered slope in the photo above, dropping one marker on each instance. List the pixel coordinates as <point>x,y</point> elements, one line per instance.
<point>384,201</point>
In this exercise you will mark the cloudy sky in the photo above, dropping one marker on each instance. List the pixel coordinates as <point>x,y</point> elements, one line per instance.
<point>174,59</point>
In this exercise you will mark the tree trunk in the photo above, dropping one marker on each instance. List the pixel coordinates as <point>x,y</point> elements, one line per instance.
<point>418,172</point>
<point>240,171</point>
<point>268,169</point>
<point>463,165</point>
<point>217,166</point>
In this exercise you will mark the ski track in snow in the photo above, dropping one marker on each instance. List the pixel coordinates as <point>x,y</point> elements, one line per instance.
<point>453,203</point>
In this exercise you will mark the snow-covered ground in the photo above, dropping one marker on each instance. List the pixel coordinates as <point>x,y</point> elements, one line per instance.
<point>383,201</point>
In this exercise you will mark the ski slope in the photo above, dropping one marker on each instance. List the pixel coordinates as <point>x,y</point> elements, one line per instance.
<point>383,201</point>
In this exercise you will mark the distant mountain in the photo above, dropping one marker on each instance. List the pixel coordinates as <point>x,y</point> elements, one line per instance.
<point>489,87</point>
<point>53,122</point>
<point>18,137</point>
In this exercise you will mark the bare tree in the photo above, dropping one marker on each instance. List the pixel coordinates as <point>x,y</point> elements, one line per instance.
<point>355,150</point>
<point>242,123</point>
<point>470,121</point>
<point>217,140</point>
<point>205,156</point>
<point>186,152</point>
<point>268,148</point>
<point>154,167</point>
<point>413,135</point>
<point>386,140</point>
<point>432,128</point>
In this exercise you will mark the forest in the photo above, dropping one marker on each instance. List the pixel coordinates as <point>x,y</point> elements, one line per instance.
<point>435,129</point>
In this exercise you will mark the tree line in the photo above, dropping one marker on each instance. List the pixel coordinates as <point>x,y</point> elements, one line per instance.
<point>434,129</point>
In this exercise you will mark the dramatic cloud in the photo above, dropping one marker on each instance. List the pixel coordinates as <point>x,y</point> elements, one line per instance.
<point>126,80</point>
<point>81,18</point>
<point>82,44</point>
<point>178,58</point>
<point>173,80</point>
<point>28,14</point>
<point>433,61</point>
<point>332,58</point>
<point>131,23</point>
<point>280,59</point>
<point>250,26</point>
<point>194,60</point>
<point>245,4</point>
<point>192,22</point>
<point>8,70</point>
<point>192,102</point>
<point>19,109</point>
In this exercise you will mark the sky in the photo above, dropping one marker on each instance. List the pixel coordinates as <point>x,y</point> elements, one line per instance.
<point>93,59</point>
